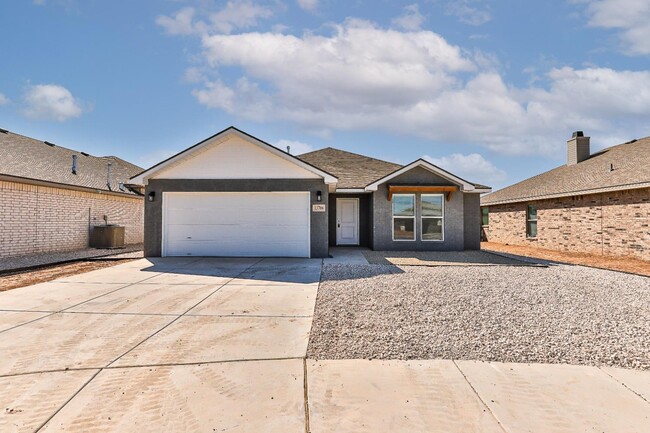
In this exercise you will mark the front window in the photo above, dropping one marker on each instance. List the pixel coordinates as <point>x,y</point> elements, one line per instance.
<point>403,217</point>
<point>531,221</point>
<point>432,217</point>
<point>485,216</point>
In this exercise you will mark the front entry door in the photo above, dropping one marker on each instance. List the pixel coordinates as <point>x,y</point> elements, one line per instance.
<point>347,221</point>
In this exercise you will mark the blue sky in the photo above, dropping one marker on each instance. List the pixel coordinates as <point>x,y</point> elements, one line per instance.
<point>490,90</point>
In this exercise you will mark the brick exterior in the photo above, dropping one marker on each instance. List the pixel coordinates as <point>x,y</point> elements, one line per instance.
<point>38,219</point>
<point>610,224</point>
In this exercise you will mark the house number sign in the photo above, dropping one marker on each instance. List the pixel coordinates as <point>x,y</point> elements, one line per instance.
<point>318,208</point>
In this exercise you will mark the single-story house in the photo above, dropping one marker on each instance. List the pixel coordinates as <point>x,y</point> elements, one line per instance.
<point>596,203</point>
<point>50,196</point>
<point>235,195</point>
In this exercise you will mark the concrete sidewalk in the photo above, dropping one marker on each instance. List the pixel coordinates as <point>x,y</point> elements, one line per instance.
<point>192,344</point>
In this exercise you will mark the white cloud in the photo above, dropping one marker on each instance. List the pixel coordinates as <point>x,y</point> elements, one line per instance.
<point>51,102</point>
<point>308,5</point>
<point>363,77</point>
<point>3,99</point>
<point>236,14</point>
<point>180,24</point>
<point>411,19</point>
<point>468,12</point>
<point>472,167</point>
<point>630,17</point>
<point>297,147</point>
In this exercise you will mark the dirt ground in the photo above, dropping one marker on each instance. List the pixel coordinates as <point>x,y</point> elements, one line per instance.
<point>48,273</point>
<point>624,264</point>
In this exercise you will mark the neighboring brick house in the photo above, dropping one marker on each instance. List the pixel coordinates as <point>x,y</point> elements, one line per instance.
<point>47,205</point>
<point>597,203</point>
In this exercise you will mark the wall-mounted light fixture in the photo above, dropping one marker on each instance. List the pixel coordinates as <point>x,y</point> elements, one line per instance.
<point>319,196</point>
<point>152,196</point>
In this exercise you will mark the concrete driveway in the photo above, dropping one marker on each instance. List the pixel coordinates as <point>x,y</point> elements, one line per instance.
<point>181,344</point>
<point>217,345</point>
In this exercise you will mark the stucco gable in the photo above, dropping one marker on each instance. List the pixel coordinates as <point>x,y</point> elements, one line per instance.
<point>233,154</point>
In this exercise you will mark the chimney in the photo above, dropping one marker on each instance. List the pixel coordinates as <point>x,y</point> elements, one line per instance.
<point>74,164</point>
<point>577,148</point>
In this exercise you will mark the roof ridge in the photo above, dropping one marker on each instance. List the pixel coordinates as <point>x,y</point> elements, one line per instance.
<point>351,153</point>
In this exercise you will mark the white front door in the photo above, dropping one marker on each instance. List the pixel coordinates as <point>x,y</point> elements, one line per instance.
<point>347,221</point>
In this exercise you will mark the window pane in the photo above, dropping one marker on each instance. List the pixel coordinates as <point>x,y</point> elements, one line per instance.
<point>403,205</point>
<point>432,205</point>
<point>432,229</point>
<point>403,228</point>
<point>532,212</point>
<point>485,216</point>
<point>532,229</point>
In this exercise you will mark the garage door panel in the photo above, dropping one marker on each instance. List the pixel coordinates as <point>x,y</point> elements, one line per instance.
<point>226,248</point>
<point>237,224</point>
<point>223,232</point>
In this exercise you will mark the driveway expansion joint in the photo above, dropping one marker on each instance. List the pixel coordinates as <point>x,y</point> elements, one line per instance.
<point>183,314</point>
<point>44,423</point>
<point>624,385</point>
<point>487,408</point>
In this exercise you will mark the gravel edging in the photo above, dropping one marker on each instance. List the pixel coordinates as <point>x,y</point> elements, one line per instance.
<point>33,261</point>
<point>559,314</point>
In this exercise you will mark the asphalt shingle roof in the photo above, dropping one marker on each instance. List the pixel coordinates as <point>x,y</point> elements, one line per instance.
<point>353,170</point>
<point>29,158</point>
<point>631,169</point>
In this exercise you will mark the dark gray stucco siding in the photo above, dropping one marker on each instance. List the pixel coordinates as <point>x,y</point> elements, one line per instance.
<point>365,221</point>
<point>472,216</point>
<point>153,210</point>
<point>382,216</point>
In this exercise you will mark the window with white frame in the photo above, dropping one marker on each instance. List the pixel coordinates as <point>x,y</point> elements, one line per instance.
<point>403,217</point>
<point>433,217</point>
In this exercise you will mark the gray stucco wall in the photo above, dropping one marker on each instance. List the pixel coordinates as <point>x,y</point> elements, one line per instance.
<point>454,222</point>
<point>472,217</point>
<point>153,210</point>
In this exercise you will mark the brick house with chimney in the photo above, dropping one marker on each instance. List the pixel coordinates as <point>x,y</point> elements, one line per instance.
<point>50,196</point>
<point>597,203</point>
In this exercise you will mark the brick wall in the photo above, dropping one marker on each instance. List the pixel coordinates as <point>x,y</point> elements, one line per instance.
<point>615,224</point>
<point>36,219</point>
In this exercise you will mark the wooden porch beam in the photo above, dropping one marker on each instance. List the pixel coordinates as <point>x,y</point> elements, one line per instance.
<point>396,189</point>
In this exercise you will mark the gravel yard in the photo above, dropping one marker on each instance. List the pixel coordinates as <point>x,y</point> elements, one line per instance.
<point>559,314</point>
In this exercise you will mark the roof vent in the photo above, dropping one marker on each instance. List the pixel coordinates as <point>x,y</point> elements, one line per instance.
<point>289,149</point>
<point>611,167</point>
<point>74,164</point>
<point>108,176</point>
<point>84,154</point>
<point>577,148</point>
<point>49,144</point>
<point>4,131</point>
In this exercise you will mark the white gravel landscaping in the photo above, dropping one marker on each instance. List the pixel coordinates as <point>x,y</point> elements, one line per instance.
<point>560,314</point>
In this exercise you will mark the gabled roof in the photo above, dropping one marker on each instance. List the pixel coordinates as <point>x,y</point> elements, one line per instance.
<point>31,159</point>
<point>142,178</point>
<point>465,185</point>
<point>354,171</point>
<point>631,169</point>
<point>359,172</point>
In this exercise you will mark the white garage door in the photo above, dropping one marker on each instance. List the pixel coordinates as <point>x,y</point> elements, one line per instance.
<point>236,224</point>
